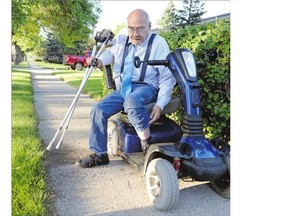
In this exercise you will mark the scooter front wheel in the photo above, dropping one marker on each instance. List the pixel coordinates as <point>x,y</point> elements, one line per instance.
<point>162,184</point>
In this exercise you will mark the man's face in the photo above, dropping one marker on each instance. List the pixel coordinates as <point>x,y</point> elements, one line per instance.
<point>138,28</point>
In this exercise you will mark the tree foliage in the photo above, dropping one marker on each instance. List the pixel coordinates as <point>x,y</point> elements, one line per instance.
<point>118,28</point>
<point>168,16</point>
<point>74,20</point>
<point>67,20</point>
<point>190,14</point>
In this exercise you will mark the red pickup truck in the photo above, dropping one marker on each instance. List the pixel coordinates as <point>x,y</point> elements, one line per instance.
<point>75,61</point>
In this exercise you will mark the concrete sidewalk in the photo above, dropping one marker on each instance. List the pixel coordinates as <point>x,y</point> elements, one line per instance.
<point>115,189</point>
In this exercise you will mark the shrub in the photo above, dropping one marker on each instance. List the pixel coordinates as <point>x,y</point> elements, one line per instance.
<point>214,79</point>
<point>38,60</point>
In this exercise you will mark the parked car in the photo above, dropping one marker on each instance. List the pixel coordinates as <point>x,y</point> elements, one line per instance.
<point>76,62</point>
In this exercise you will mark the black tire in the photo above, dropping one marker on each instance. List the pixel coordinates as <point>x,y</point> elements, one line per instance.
<point>73,67</point>
<point>162,184</point>
<point>112,141</point>
<point>78,66</point>
<point>222,185</point>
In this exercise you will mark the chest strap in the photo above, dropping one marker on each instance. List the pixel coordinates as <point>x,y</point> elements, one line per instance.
<point>146,57</point>
<point>125,53</point>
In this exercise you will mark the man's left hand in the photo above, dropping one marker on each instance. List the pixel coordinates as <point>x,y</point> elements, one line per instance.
<point>155,114</point>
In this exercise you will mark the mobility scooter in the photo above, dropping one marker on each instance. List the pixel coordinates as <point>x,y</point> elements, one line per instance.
<point>178,152</point>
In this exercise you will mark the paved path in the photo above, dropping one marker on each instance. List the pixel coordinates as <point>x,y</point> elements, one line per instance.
<point>115,189</point>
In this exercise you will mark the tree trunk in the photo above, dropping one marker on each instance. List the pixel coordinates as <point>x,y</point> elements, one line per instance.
<point>17,57</point>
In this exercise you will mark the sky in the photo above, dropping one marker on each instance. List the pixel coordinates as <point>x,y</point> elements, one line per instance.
<point>116,12</point>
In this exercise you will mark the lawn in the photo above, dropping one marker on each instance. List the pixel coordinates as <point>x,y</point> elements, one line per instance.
<point>29,192</point>
<point>28,176</point>
<point>95,85</point>
<point>52,66</point>
<point>23,65</point>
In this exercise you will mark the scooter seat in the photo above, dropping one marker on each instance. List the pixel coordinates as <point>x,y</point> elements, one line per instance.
<point>171,107</point>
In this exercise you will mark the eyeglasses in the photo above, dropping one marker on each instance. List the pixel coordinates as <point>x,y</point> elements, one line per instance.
<point>139,30</point>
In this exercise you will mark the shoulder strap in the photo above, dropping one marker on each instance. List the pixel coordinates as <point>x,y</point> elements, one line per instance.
<point>125,53</point>
<point>146,57</point>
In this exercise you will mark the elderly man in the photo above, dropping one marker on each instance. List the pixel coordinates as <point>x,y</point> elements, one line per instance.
<point>136,87</point>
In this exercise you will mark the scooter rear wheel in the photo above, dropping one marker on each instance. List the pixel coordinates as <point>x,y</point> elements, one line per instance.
<point>112,140</point>
<point>222,185</point>
<point>162,184</point>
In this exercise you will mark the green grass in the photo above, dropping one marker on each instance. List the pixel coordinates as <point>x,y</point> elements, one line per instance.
<point>52,66</point>
<point>23,65</point>
<point>28,177</point>
<point>94,86</point>
<point>29,194</point>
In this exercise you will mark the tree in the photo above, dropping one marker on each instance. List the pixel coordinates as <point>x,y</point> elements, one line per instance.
<point>53,50</point>
<point>168,16</point>
<point>79,47</point>
<point>67,20</point>
<point>119,27</point>
<point>20,26</point>
<point>190,14</point>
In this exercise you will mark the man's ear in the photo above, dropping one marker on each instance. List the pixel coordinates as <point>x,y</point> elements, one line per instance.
<point>149,25</point>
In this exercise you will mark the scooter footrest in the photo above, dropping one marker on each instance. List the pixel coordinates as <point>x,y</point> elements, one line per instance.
<point>164,130</point>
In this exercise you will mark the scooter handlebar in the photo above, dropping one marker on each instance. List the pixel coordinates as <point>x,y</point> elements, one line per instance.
<point>138,62</point>
<point>158,62</point>
<point>201,64</point>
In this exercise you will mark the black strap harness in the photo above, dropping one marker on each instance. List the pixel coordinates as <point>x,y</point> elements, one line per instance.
<point>146,57</point>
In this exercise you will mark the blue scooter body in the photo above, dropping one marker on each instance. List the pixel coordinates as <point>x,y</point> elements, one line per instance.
<point>199,157</point>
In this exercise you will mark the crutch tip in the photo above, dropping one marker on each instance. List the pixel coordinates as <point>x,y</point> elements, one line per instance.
<point>58,145</point>
<point>48,148</point>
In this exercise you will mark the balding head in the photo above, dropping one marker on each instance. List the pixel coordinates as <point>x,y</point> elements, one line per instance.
<point>139,26</point>
<point>139,14</point>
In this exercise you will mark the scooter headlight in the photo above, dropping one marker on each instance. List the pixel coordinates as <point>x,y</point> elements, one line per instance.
<point>190,63</point>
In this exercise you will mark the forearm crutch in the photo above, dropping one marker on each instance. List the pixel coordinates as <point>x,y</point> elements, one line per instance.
<point>103,37</point>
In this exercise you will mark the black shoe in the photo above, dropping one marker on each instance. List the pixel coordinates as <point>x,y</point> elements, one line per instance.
<point>93,160</point>
<point>145,144</point>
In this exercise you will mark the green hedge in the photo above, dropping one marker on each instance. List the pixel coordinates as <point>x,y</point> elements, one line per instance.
<point>214,79</point>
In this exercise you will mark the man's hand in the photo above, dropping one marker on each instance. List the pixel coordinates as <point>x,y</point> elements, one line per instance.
<point>90,59</point>
<point>155,114</point>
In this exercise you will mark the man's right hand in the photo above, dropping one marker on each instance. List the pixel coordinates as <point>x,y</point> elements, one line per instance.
<point>155,114</point>
<point>99,62</point>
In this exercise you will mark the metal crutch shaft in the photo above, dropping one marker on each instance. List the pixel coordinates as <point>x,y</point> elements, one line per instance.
<point>72,107</point>
<point>68,113</point>
<point>99,37</point>
<point>72,110</point>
